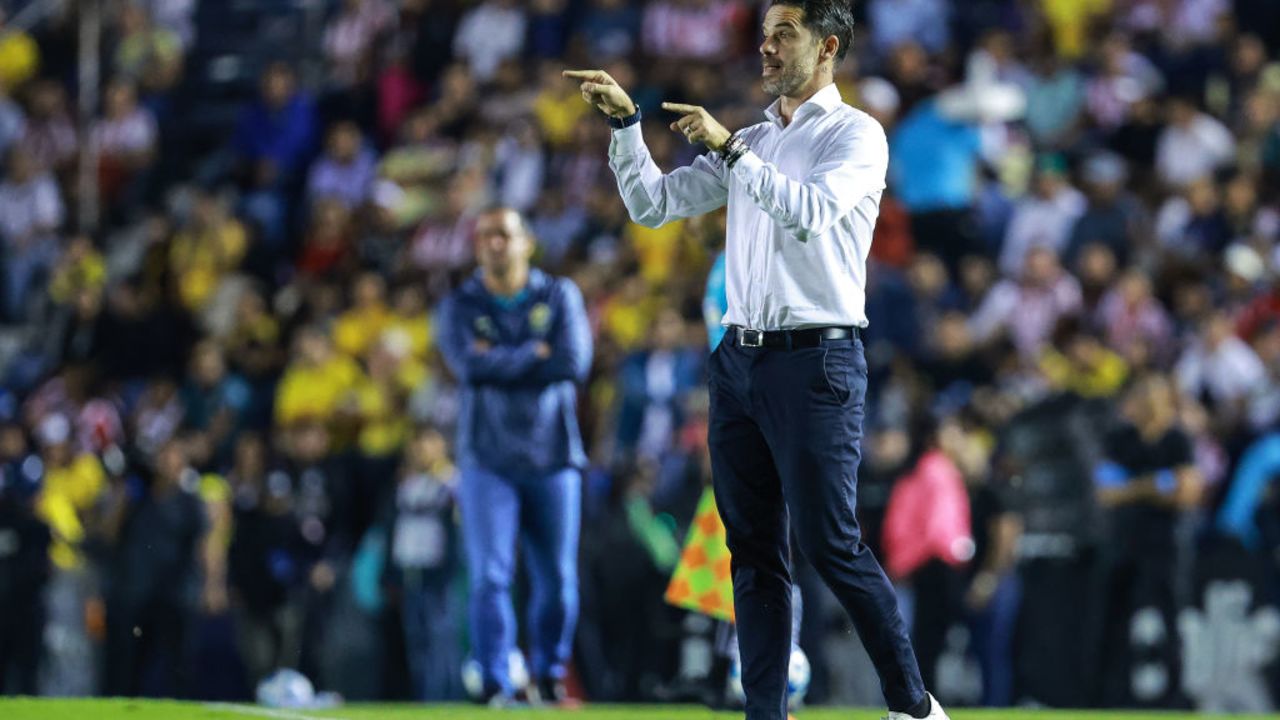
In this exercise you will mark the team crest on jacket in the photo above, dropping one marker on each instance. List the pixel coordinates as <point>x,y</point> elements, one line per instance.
<point>485,327</point>
<point>540,318</point>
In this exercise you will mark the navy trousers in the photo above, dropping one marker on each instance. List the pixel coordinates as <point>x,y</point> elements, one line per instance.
<point>786,426</point>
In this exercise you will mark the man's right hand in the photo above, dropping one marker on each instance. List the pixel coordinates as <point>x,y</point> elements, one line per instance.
<point>603,92</point>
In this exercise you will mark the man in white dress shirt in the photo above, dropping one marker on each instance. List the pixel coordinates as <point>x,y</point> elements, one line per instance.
<point>788,381</point>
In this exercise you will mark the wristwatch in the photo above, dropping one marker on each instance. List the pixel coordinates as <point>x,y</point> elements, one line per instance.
<point>624,122</point>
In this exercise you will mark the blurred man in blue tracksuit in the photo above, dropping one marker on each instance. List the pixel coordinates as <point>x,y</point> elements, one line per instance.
<point>518,340</point>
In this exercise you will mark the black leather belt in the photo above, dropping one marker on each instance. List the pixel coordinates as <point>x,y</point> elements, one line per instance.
<point>791,339</point>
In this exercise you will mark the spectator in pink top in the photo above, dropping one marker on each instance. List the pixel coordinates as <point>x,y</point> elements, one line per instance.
<point>928,537</point>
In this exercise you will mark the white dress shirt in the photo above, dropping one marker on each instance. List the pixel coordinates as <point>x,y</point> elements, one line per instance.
<point>802,203</point>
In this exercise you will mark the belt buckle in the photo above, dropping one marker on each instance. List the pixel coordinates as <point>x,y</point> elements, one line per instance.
<point>751,338</point>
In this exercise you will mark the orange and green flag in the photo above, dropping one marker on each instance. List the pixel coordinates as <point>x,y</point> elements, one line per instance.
<point>702,581</point>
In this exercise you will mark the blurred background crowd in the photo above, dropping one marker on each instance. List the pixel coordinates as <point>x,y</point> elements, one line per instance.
<point>225,430</point>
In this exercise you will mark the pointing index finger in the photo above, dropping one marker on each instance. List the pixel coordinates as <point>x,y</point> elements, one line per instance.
<point>594,75</point>
<point>680,108</point>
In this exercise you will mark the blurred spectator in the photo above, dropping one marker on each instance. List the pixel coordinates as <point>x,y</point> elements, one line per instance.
<point>1125,78</point>
<point>1145,477</point>
<point>399,93</point>
<point>933,166</point>
<point>319,496</point>
<point>12,121</point>
<point>19,55</point>
<point>50,135</point>
<point>327,245</point>
<point>548,32</point>
<point>1218,365</point>
<point>927,538</point>
<point>690,29</point>
<point>147,55</point>
<point>557,225</point>
<point>489,33</point>
<point>1192,224</point>
<point>1079,363</point>
<point>356,330</point>
<point>215,400</point>
<point>893,22</point>
<point>1112,217</point>
<point>1135,324</point>
<point>1192,146</point>
<point>1070,22</point>
<point>652,386</point>
<point>72,485</point>
<point>520,163</point>
<point>155,528</point>
<point>1055,102</point>
<point>1188,22</point>
<point>81,269</point>
<point>427,29</point>
<point>424,557</point>
<point>126,140</point>
<point>264,561</point>
<point>205,249</point>
<point>513,94</point>
<point>317,382</point>
<point>1043,218</point>
<point>442,244</point>
<point>610,28</point>
<point>24,568</point>
<point>274,138</point>
<point>345,172</point>
<point>349,39</point>
<point>176,17</point>
<point>31,212</point>
<point>1028,308</point>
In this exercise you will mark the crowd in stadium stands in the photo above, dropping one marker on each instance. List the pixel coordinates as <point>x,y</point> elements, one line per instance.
<point>225,430</point>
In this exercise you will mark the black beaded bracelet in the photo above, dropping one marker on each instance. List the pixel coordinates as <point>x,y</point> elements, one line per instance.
<point>734,148</point>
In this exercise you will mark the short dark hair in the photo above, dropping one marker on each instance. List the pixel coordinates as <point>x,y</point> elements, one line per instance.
<point>826,17</point>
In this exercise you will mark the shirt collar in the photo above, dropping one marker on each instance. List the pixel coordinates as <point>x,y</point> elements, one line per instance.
<point>822,102</point>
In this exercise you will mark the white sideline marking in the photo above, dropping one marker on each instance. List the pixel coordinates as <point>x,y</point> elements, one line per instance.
<point>256,711</point>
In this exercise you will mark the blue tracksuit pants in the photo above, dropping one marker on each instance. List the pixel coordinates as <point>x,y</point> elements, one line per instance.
<point>542,515</point>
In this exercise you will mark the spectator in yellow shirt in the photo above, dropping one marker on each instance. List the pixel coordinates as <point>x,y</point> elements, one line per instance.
<point>1070,21</point>
<point>628,313</point>
<point>73,484</point>
<point>557,107</point>
<point>1080,363</point>
<point>317,384</point>
<point>19,55</point>
<point>81,269</point>
<point>148,55</point>
<point>358,328</point>
<point>211,244</point>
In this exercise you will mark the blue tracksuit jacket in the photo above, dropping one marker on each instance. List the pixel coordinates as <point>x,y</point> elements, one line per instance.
<point>518,411</point>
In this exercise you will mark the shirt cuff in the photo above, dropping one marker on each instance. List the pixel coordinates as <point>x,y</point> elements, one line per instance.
<point>627,141</point>
<point>748,167</point>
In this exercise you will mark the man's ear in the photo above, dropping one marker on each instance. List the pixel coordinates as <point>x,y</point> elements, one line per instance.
<point>829,48</point>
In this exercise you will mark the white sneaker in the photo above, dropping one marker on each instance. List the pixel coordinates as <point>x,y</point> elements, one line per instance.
<point>935,712</point>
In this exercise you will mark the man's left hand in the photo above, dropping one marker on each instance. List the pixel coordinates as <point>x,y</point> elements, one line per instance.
<point>698,126</point>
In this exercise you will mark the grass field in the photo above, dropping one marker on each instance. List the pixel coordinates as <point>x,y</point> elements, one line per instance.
<point>34,709</point>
